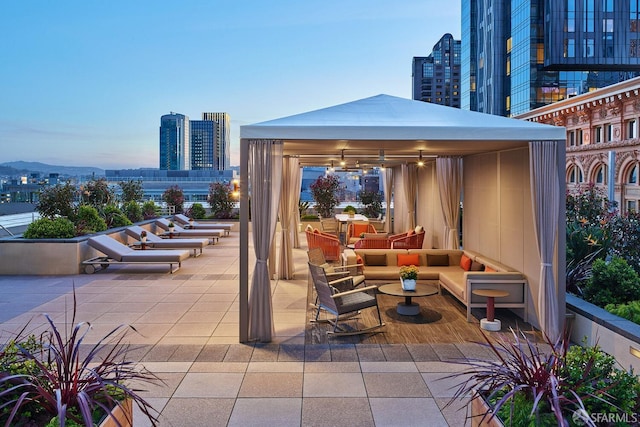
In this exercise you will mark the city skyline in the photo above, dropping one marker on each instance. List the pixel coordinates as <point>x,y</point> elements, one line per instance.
<point>84,84</point>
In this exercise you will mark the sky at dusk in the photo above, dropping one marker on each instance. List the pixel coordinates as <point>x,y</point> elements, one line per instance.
<point>84,83</point>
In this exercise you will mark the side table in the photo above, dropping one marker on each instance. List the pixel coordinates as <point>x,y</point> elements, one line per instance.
<point>490,323</point>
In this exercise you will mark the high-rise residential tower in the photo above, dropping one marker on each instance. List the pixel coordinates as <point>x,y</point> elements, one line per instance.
<point>175,150</point>
<point>222,159</point>
<point>203,138</point>
<point>518,55</point>
<point>436,78</point>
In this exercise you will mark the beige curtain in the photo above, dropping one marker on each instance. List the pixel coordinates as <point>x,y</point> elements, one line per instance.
<point>288,209</point>
<point>265,176</point>
<point>410,181</point>
<point>295,224</point>
<point>387,182</point>
<point>545,201</point>
<point>449,172</point>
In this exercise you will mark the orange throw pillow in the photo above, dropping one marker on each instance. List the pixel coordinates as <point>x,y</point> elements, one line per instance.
<point>465,263</point>
<point>316,231</point>
<point>408,259</point>
<point>359,260</point>
<point>411,232</point>
<point>489,269</point>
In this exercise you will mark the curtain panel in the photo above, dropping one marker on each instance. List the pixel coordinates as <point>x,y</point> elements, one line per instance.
<point>410,181</point>
<point>288,209</point>
<point>545,201</point>
<point>265,177</point>
<point>449,173</point>
<point>387,182</point>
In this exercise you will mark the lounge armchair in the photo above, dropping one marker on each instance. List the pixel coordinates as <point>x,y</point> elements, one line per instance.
<point>408,240</point>
<point>187,223</point>
<point>156,242</point>
<point>117,253</point>
<point>330,226</point>
<point>178,231</point>
<point>371,242</point>
<point>356,228</point>
<point>338,303</point>
<point>329,244</point>
<point>316,257</point>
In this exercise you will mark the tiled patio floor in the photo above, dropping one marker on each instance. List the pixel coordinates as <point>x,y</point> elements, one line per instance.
<point>188,324</point>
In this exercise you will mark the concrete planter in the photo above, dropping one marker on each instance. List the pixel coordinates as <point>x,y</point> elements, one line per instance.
<point>617,336</point>
<point>123,414</point>
<point>480,407</point>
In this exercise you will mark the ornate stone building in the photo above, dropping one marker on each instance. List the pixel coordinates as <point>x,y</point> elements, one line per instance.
<point>599,122</point>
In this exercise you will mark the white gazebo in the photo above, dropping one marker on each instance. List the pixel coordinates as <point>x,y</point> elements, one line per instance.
<point>510,173</point>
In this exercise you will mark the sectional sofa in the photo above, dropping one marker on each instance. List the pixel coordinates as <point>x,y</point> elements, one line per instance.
<point>457,271</point>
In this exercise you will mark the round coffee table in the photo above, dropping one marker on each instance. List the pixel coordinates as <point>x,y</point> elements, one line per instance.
<point>408,308</point>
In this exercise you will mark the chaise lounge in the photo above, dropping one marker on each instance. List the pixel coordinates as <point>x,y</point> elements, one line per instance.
<point>189,224</point>
<point>117,253</point>
<point>156,242</point>
<point>178,231</point>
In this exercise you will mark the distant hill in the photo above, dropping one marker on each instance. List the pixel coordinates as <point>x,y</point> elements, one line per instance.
<point>43,168</point>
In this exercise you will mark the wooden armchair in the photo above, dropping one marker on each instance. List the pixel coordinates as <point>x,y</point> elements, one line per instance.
<point>338,303</point>
<point>408,240</point>
<point>328,243</point>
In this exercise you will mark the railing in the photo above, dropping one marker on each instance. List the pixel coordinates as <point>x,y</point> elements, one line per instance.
<point>16,220</point>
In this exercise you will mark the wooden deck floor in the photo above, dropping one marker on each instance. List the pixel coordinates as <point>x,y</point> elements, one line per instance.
<point>442,319</point>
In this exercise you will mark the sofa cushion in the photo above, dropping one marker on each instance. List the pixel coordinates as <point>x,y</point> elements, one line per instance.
<point>359,229</point>
<point>489,269</point>
<point>465,263</point>
<point>377,260</point>
<point>408,259</point>
<point>454,281</point>
<point>476,266</point>
<point>437,260</point>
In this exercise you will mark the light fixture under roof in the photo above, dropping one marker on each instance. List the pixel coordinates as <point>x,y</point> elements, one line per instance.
<point>420,161</point>
<point>342,162</point>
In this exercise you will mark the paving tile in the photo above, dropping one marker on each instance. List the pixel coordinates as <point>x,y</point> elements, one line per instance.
<point>407,412</point>
<point>316,367</point>
<point>213,353</point>
<point>238,353</point>
<point>186,353</point>
<point>167,385</point>
<point>344,353</point>
<point>396,353</point>
<point>333,411</point>
<point>348,384</point>
<point>160,353</point>
<point>271,384</point>
<point>388,367</point>
<point>370,353</point>
<point>219,367</point>
<point>281,412</point>
<point>455,412</point>
<point>291,352</point>
<point>157,405</point>
<point>422,352</point>
<point>442,384</point>
<point>440,367</point>
<point>446,351</point>
<point>205,384</point>
<point>196,412</point>
<point>317,353</point>
<point>275,367</point>
<point>265,352</point>
<point>395,384</point>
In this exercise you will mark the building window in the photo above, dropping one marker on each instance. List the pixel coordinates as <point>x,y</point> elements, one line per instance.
<point>587,48</point>
<point>632,131</point>
<point>609,132</point>
<point>575,175</point>
<point>579,137</point>
<point>572,138</point>
<point>632,178</point>
<point>601,175</point>
<point>597,134</point>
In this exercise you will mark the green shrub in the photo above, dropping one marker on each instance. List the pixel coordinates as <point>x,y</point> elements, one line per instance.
<point>133,211</point>
<point>174,196</point>
<point>629,311</point>
<point>221,200</point>
<point>614,282</point>
<point>45,228</point>
<point>149,210</point>
<point>309,218</point>
<point>57,201</point>
<point>197,211</point>
<point>114,217</point>
<point>89,221</point>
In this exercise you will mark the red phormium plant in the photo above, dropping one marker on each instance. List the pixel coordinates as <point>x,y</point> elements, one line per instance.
<point>70,382</point>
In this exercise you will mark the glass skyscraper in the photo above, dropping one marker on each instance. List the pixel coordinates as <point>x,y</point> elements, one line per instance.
<point>523,54</point>
<point>436,78</point>
<point>175,151</point>
<point>203,135</point>
<point>221,150</point>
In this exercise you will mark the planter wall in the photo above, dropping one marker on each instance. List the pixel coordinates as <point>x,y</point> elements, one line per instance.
<point>124,415</point>
<point>479,408</point>
<point>617,336</point>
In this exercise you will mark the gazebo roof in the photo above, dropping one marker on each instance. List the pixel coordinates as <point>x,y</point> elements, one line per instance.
<point>401,127</point>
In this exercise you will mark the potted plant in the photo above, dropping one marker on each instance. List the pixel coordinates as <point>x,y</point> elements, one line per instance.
<point>546,384</point>
<point>350,210</point>
<point>408,277</point>
<point>172,227</point>
<point>55,379</point>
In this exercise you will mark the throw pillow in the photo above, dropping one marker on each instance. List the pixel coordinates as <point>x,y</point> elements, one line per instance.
<point>411,232</point>
<point>359,260</point>
<point>358,229</point>
<point>476,266</point>
<point>437,260</point>
<point>418,229</point>
<point>489,269</point>
<point>316,231</point>
<point>408,259</point>
<point>308,228</point>
<point>375,260</point>
<point>465,263</point>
